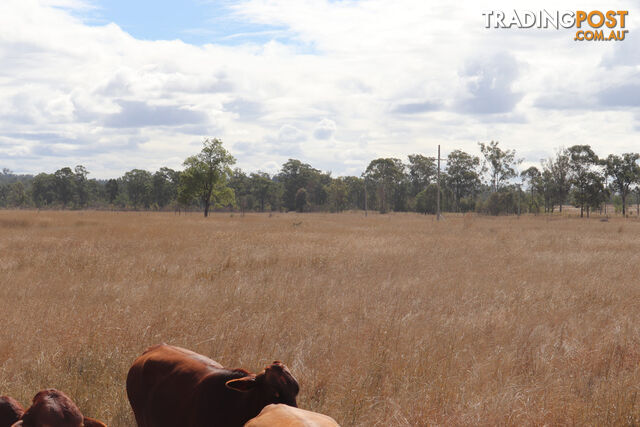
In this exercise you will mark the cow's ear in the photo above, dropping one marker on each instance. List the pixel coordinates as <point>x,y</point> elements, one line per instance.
<point>242,384</point>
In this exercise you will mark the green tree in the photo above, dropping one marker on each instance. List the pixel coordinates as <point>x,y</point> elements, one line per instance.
<point>560,169</point>
<point>462,175</point>
<point>533,176</point>
<point>4,195</point>
<point>501,163</point>
<point>96,191</point>
<point>338,194</point>
<point>581,161</point>
<point>240,183</point>
<point>17,196</point>
<point>81,186</point>
<point>164,186</point>
<point>43,190</point>
<point>206,175</point>
<point>501,202</point>
<point>387,174</point>
<point>264,189</point>
<point>111,189</point>
<point>422,170</point>
<point>625,172</point>
<point>137,183</point>
<point>636,192</point>
<point>295,175</point>
<point>547,188</point>
<point>355,192</point>
<point>301,200</point>
<point>65,185</point>
<point>426,200</point>
<point>596,193</point>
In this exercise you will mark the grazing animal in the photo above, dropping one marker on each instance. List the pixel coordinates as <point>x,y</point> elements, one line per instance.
<point>170,386</point>
<point>287,416</point>
<point>53,408</point>
<point>10,411</point>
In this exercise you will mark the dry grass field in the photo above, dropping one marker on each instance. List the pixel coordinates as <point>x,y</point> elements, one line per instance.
<point>392,320</point>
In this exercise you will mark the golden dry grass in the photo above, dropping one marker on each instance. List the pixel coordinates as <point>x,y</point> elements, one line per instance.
<point>385,320</point>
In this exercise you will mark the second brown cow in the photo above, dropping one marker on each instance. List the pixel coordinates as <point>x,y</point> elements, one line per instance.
<point>170,386</point>
<point>10,411</point>
<point>53,408</point>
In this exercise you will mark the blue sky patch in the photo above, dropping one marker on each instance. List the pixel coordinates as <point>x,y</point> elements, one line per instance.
<point>195,22</point>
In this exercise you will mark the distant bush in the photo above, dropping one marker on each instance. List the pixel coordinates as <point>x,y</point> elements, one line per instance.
<point>426,200</point>
<point>498,203</point>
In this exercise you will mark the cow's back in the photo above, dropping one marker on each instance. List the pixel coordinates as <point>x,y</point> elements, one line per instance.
<point>286,416</point>
<point>161,384</point>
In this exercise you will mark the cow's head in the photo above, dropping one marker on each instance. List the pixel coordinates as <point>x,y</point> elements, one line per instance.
<point>51,408</point>
<point>275,384</point>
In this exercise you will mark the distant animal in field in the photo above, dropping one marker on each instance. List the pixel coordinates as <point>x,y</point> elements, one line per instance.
<point>170,386</point>
<point>10,411</point>
<point>287,416</point>
<point>53,408</point>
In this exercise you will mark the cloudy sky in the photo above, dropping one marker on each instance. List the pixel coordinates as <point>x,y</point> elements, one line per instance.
<point>119,84</point>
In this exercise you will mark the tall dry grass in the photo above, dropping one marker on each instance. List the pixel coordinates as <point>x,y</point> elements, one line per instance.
<point>384,320</point>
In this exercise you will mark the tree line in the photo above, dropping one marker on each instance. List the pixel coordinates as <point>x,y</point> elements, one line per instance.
<point>490,183</point>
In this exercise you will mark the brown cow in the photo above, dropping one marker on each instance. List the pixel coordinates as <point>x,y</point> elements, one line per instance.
<point>10,411</point>
<point>169,386</point>
<point>287,416</point>
<point>53,408</point>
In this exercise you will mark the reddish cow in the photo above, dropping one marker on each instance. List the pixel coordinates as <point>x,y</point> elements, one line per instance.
<point>287,416</point>
<point>55,409</point>
<point>10,411</point>
<point>169,386</point>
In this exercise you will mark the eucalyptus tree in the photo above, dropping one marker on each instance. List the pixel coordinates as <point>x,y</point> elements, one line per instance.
<point>625,172</point>
<point>386,173</point>
<point>164,186</point>
<point>338,192</point>
<point>138,186</point>
<point>422,171</point>
<point>295,175</point>
<point>64,181</point>
<point>582,160</point>
<point>206,175</point>
<point>501,163</point>
<point>265,190</point>
<point>533,176</point>
<point>560,169</point>
<point>462,175</point>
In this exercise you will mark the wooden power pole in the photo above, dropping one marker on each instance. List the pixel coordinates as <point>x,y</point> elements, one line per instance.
<point>365,196</point>
<point>438,184</point>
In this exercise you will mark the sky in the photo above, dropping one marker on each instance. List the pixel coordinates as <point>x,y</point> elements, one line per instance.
<point>115,85</point>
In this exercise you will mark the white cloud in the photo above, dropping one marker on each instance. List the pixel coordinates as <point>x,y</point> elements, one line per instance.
<point>325,129</point>
<point>288,133</point>
<point>402,76</point>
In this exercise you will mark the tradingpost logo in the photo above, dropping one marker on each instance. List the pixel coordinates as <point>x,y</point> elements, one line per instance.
<point>592,25</point>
